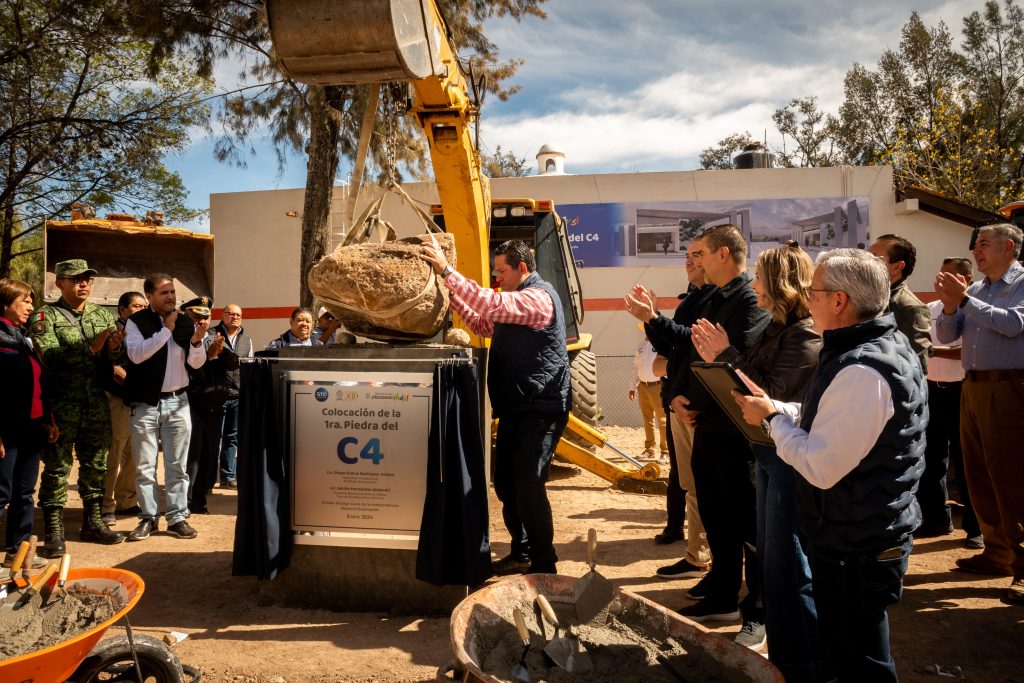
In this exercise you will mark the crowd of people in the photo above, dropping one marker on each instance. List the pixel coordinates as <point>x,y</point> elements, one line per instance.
<point>865,394</point>
<point>868,396</point>
<point>115,393</point>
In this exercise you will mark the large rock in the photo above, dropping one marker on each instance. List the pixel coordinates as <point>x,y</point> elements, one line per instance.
<point>384,291</point>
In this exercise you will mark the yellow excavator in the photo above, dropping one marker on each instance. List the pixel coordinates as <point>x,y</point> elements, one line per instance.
<point>356,42</point>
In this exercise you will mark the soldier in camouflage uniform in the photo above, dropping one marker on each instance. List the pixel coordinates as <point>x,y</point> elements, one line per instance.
<point>76,341</point>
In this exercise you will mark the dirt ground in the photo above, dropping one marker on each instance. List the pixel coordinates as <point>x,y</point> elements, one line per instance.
<point>946,618</point>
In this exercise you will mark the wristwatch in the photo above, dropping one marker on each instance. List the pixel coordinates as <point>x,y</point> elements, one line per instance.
<point>448,270</point>
<point>766,424</point>
<point>963,302</point>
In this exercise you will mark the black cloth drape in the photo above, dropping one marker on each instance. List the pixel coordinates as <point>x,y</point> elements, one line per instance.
<point>263,533</point>
<point>455,546</point>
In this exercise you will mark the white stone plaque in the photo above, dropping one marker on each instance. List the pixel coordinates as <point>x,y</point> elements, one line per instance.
<point>359,456</point>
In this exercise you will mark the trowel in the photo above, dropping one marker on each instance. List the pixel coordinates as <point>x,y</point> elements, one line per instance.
<point>62,577</point>
<point>592,592</point>
<point>519,671</point>
<point>12,579</point>
<point>566,651</point>
<point>33,589</point>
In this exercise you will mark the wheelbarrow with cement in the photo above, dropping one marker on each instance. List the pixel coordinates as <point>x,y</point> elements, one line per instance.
<point>88,656</point>
<point>706,655</point>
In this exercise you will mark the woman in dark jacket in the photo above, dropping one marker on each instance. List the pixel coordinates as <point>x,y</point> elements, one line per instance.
<point>784,359</point>
<point>25,420</point>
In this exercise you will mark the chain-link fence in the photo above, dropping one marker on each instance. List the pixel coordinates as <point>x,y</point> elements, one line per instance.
<point>613,377</point>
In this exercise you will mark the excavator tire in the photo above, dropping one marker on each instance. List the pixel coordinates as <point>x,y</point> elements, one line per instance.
<point>583,373</point>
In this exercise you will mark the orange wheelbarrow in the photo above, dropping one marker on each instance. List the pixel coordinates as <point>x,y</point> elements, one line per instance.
<point>86,658</point>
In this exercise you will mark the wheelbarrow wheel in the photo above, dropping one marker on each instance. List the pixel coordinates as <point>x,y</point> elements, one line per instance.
<point>111,660</point>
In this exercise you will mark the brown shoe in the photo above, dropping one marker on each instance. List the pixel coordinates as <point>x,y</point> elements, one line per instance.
<point>980,564</point>
<point>1015,593</point>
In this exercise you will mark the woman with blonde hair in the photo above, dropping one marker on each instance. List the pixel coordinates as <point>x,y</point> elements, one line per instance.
<point>784,359</point>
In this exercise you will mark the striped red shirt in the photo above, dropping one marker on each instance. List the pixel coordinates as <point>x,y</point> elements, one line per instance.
<point>481,307</point>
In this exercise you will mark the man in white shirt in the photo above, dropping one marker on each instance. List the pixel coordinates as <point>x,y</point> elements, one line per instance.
<point>645,389</point>
<point>945,383</point>
<point>857,442</point>
<point>159,342</point>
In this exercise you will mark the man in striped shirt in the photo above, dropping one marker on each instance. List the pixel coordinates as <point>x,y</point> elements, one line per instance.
<point>528,382</point>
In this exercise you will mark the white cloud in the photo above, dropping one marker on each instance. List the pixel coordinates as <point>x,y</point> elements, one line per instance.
<point>650,84</point>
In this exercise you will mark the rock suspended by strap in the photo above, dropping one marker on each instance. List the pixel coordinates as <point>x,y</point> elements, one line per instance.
<point>384,291</point>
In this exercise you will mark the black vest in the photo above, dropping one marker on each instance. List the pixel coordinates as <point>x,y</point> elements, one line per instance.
<point>143,381</point>
<point>874,507</point>
<point>529,369</point>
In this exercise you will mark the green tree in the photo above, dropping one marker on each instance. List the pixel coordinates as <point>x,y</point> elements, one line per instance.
<point>719,156</point>
<point>993,47</point>
<point>889,100</point>
<point>953,153</point>
<point>503,164</point>
<point>321,121</point>
<point>81,120</point>
<point>814,134</point>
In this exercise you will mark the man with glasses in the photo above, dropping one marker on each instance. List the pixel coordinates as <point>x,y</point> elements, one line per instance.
<point>239,344</point>
<point>78,342</point>
<point>857,440</point>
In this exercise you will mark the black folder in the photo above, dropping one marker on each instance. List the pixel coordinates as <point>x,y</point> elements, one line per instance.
<point>720,379</point>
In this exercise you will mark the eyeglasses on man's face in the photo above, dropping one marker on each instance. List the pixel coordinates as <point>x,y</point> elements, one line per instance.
<point>78,279</point>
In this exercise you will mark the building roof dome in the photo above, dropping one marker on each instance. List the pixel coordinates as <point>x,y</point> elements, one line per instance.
<point>551,149</point>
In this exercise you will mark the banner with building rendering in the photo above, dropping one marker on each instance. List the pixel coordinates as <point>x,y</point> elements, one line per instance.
<point>657,233</point>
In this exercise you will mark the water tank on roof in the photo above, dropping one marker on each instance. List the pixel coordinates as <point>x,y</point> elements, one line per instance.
<point>754,155</point>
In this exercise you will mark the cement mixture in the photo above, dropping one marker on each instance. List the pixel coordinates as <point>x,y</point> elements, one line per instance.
<point>619,651</point>
<point>41,624</point>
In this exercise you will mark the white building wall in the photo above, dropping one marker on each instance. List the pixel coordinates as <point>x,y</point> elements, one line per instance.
<point>257,254</point>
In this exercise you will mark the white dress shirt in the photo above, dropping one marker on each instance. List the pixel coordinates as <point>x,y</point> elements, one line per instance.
<point>643,365</point>
<point>175,375</point>
<point>943,369</point>
<point>851,414</point>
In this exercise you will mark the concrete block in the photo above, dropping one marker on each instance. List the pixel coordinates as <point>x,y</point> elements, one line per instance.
<point>358,580</point>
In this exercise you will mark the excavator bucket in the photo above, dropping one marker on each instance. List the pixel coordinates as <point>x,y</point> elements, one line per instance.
<point>342,42</point>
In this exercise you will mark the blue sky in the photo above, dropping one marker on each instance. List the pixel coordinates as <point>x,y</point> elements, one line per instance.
<point>642,85</point>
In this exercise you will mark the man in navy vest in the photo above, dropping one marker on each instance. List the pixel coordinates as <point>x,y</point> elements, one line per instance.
<point>857,441</point>
<point>528,382</point>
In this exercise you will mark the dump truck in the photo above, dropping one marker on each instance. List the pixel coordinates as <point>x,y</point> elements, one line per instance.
<point>325,42</point>
<point>124,250</point>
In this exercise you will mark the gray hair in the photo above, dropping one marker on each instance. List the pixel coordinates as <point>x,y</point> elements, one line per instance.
<point>861,275</point>
<point>1006,231</point>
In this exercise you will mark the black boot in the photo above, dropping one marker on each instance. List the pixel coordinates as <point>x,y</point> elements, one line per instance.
<point>94,528</point>
<point>53,545</point>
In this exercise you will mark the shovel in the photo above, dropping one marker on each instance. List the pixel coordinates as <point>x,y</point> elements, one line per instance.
<point>12,582</point>
<point>592,592</point>
<point>33,589</point>
<point>519,671</point>
<point>566,650</point>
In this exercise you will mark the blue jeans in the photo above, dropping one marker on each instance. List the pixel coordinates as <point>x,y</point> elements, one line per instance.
<point>166,426</point>
<point>522,459</point>
<point>229,441</point>
<point>852,592</point>
<point>791,620</point>
<point>19,470</point>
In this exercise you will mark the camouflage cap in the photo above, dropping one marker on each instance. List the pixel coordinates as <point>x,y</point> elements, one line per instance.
<point>72,268</point>
<point>200,306</point>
